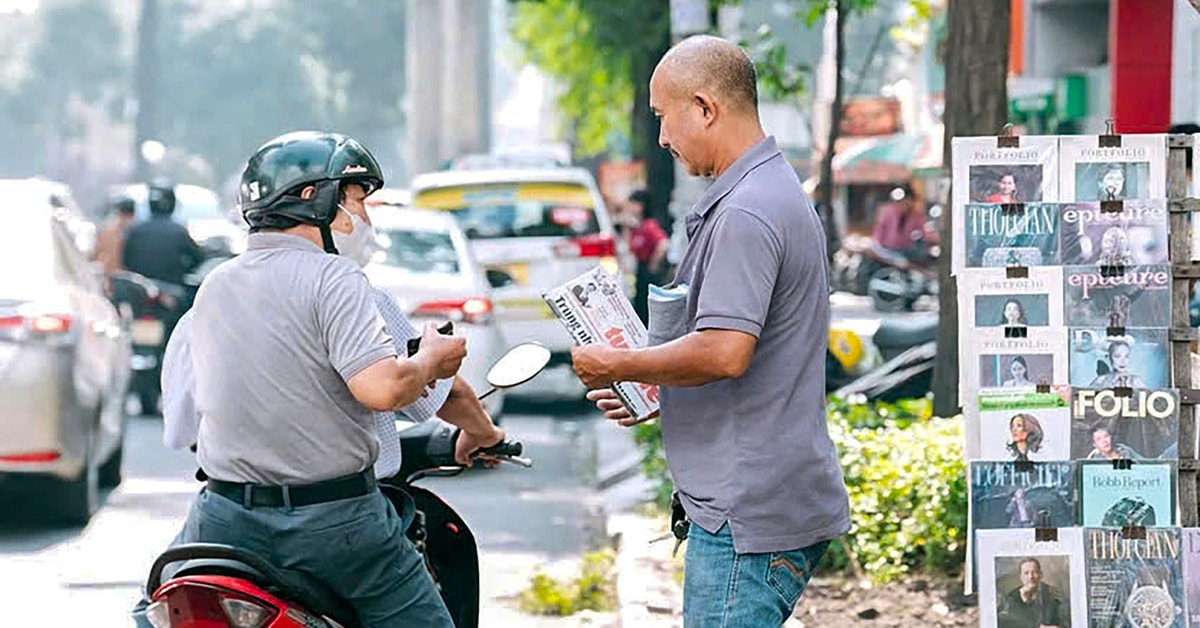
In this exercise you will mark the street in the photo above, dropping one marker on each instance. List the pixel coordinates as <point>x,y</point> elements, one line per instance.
<point>522,519</point>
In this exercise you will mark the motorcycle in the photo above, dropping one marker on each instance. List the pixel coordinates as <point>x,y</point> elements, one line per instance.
<point>154,307</point>
<point>848,270</point>
<point>899,279</point>
<point>212,585</point>
<point>896,364</point>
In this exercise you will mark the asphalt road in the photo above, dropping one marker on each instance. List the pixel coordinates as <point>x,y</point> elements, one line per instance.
<point>524,520</point>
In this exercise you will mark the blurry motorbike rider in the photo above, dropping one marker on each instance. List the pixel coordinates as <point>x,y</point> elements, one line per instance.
<point>291,357</point>
<point>160,248</point>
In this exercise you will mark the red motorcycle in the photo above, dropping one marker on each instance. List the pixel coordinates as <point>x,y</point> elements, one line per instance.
<point>215,586</point>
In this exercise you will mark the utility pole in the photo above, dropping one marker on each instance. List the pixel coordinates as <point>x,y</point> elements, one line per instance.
<point>145,85</point>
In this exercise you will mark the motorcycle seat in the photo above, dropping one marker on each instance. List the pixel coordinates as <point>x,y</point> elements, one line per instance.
<point>287,584</point>
<point>905,332</point>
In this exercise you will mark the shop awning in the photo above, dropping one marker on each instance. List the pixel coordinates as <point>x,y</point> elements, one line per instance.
<point>885,159</point>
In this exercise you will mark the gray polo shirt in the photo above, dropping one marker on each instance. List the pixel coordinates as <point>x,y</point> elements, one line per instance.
<point>276,334</point>
<point>755,451</point>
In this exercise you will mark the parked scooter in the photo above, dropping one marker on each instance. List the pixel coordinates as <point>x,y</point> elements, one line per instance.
<point>899,279</point>
<point>219,585</point>
<point>896,364</point>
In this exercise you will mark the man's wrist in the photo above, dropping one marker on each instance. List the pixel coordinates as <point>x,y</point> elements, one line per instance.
<point>424,365</point>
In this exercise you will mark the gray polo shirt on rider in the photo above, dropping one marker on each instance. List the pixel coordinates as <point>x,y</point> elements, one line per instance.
<point>755,451</point>
<point>276,334</point>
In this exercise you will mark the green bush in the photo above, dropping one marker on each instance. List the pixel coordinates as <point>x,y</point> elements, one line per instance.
<point>594,589</point>
<point>906,479</point>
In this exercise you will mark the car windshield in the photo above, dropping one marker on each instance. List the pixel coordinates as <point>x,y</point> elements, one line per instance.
<point>517,211</point>
<point>417,251</point>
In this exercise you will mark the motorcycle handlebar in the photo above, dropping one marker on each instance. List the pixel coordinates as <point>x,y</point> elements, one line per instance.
<point>506,448</point>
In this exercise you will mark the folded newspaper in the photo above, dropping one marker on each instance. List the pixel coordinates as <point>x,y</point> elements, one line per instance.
<point>593,307</point>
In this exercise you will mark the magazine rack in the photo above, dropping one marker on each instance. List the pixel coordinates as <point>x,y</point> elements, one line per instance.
<point>1182,335</point>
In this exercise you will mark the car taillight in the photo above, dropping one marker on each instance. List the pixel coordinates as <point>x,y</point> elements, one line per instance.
<point>21,326</point>
<point>32,457</point>
<point>473,310</point>
<point>587,246</point>
<point>195,605</point>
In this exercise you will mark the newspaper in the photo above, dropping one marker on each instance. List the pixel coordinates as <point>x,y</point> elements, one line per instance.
<point>593,307</point>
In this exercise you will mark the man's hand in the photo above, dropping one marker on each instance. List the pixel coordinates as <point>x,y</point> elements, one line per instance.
<point>446,353</point>
<point>607,402</point>
<point>469,443</point>
<point>594,364</point>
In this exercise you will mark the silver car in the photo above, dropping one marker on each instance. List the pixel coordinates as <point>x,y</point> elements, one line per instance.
<point>424,261</point>
<point>64,356</point>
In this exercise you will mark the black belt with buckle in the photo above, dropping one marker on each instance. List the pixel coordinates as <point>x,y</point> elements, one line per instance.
<point>250,495</point>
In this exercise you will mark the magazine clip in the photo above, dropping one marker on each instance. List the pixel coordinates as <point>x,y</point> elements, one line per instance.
<point>1133,532</point>
<point>1122,464</point>
<point>1008,138</point>
<point>1012,209</point>
<point>1044,532</point>
<point>1016,272</point>
<point>1121,391</point>
<point>1023,466</point>
<point>1016,331</point>
<point>1110,139</point>
<point>1115,331</point>
<point>1112,270</point>
<point>1043,387</point>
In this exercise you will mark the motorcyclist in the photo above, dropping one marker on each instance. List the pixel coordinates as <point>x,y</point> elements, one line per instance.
<point>291,357</point>
<point>160,248</point>
<point>898,220</point>
<point>110,243</point>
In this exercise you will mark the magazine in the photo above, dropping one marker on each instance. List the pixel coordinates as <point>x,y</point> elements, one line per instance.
<point>594,308</point>
<point>997,236</point>
<point>1024,582</point>
<point>985,173</point>
<point>1135,235</point>
<point>1026,426</point>
<point>1190,539</point>
<point>1139,358</point>
<point>1143,426</point>
<point>998,365</point>
<point>1138,297</point>
<point>988,298</point>
<point>1134,582</point>
<point>1009,495</point>
<point>1135,169</point>
<point>1141,495</point>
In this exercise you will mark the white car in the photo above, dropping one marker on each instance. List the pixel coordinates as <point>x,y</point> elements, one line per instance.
<point>424,261</point>
<point>540,227</point>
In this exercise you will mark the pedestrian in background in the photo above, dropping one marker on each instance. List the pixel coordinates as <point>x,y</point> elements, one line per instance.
<point>649,244</point>
<point>740,358</point>
<point>110,243</point>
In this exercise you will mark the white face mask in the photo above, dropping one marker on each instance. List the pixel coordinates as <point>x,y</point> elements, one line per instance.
<point>359,244</point>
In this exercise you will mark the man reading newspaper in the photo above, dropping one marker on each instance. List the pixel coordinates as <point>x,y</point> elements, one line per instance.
<point>742,375</point>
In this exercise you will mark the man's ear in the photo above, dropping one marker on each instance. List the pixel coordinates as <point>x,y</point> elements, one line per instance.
<point>308,192</point>
<point>708,107</point>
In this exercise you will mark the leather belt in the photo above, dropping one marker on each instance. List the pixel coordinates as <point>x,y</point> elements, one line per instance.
<point>250,495</point>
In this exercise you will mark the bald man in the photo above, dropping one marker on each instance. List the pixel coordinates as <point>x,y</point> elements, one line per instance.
<point>740,359</point>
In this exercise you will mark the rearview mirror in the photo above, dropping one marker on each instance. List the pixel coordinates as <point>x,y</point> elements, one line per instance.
<point>521,364</point>
<point>498,278</point>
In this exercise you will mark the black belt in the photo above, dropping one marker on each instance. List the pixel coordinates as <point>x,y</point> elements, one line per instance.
<point>250,495</point>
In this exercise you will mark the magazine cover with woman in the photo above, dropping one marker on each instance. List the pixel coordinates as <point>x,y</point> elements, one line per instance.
<point>984,173</point>
<point>1139,358</point>
<point>1138,297</point>
<point>1002,365</point>
<point>1136,235</point>
<point>988,298</point>
<point>1107,426</point>
<point>1137,169</point>
<point>1027,583</point>
<point>1026,426</point>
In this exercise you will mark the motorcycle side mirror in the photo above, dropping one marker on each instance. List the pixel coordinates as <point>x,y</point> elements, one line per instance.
<point>521,364</point>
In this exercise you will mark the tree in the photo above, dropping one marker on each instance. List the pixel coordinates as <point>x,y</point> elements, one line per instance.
<point>976,75</point>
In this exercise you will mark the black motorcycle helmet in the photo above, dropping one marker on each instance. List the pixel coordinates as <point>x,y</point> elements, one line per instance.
<point>160,197</point>
<point>277,172</point>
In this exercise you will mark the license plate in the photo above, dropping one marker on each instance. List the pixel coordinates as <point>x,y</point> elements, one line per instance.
<point>148,333</point>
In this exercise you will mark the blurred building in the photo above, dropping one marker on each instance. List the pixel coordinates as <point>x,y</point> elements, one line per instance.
<point>450,57</point>
<point>1077,63</point>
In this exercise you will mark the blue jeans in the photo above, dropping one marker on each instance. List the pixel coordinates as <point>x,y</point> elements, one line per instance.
<point>724,589</point>
<point>355,546</point>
